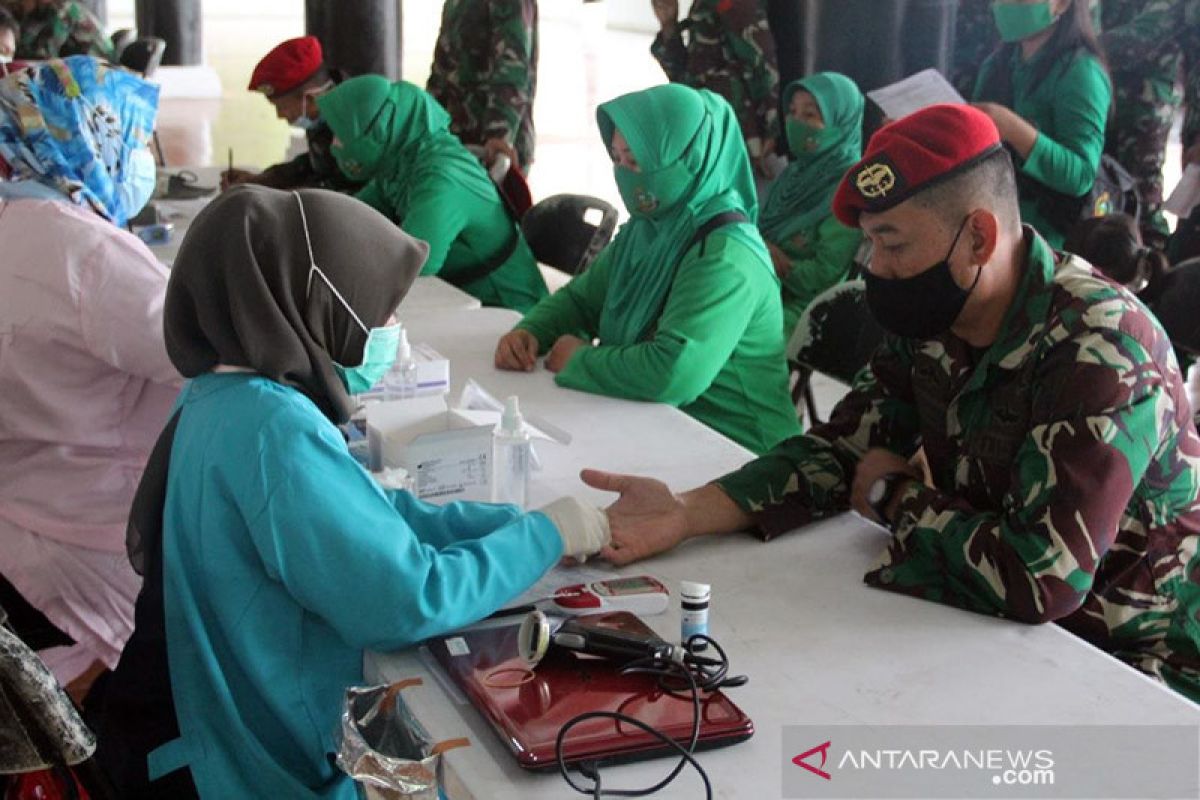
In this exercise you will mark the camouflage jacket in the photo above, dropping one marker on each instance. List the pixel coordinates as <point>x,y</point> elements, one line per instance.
<point>484,71</point>
<point>1163,26</point>
<point>726,47</point>
<point>1065,470</point>
<point>60,28</point>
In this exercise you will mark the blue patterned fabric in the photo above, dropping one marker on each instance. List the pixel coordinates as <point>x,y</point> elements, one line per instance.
<point>72,124</point>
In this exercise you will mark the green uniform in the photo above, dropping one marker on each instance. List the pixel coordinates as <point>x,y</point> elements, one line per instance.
<point>484,71</point>
<point>1069,107</point>
<point>60,29</point>
<point>1144,74</point>
<point>725,46</point>
<point>395,137</point>
<point>798,217</point>
<point>681,318</point>
<point>1065,465</point>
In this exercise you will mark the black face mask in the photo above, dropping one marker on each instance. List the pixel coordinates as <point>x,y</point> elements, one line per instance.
<point>920,307</point>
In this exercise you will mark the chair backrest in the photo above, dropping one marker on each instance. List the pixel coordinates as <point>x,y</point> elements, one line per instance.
<point>143,55</point>
<point>836,334</point>
<point>567,231</point>
<point>121,38</point>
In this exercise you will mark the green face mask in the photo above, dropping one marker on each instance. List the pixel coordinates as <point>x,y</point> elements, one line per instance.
<point>806,141</point>
<point>1017,21</point>
<point>379,353</point>
<point>359,159</point>
<point>651,194</point>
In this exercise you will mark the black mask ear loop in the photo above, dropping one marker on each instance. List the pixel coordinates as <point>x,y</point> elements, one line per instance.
<point>978,267</point>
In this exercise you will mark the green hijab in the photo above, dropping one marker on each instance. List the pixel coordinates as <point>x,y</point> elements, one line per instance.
<point>692,166</point>
<point>802,195</point>
<point>394,134</point>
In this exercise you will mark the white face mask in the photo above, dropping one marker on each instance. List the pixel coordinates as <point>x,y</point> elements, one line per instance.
<point>135,190</point>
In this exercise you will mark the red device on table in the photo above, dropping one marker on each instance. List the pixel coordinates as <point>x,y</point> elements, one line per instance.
<point>527,706</point>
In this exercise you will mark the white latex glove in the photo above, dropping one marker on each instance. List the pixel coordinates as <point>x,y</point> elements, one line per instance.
<point>583,527</point>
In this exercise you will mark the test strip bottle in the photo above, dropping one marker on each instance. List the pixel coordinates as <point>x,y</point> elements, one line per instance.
<point>693,600</point>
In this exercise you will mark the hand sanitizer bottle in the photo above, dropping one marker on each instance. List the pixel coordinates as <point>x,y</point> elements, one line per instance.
<point>510,457</point>
<point>403,377</point>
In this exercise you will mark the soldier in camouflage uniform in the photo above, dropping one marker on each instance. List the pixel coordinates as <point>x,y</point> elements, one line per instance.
<point>726,47</point>
<point>484,74</point>
<point>58,28</point>
<point>1144,74</point>
<point>1064,467</point>
<point>1160,27</point>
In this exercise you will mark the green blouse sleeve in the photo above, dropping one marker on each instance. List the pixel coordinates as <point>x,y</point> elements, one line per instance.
<point>574,309</point>
<point>708,308</point>
<point>437,213</point>
<point>1068,162</point>
<point>827,260</point>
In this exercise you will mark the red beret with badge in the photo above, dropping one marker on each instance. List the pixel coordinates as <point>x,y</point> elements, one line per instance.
<point>913,154</point>
<point>288,66</point>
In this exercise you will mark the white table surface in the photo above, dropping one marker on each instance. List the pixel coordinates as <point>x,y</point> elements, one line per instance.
<point>819,646</point>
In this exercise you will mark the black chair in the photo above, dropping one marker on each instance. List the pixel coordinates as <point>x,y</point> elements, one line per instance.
<point>835,336</point>
<point>567,231</point>
<point>144,55</point>
<point>121,39</point>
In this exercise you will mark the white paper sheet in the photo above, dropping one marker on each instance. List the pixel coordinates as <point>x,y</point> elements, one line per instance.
<point>925,88</point>
<point>1185,194</point>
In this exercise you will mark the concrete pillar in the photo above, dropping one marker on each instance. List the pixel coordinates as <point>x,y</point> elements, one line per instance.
<point>176,21</point>
<point>358,36</point>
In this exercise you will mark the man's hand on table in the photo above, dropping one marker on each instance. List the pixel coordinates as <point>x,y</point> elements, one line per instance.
<point>232,177</point>
<point>874,464</point>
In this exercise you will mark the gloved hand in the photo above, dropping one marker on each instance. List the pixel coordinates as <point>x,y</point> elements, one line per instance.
<point>583,527</point>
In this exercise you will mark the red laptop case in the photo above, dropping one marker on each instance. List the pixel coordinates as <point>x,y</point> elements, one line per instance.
<point>527,708</point>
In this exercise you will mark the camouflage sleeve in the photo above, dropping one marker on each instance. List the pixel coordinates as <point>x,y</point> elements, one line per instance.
<point>671,54</point>
<point>808,477</point>
<point>1136,40</point>
<point>508,83</point>
<point>1100,412</point>
<point>1190,45</point>
<point>753,51</point>
<point>84,35</point>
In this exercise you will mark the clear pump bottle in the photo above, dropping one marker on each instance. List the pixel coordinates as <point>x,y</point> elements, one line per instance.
<point>402,379</point>
<point>510,457</point>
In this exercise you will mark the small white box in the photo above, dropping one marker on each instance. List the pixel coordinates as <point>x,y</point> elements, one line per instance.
<point>447,457</point>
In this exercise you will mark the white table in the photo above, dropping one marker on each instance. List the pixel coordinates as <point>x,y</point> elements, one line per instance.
<point>819,646</point>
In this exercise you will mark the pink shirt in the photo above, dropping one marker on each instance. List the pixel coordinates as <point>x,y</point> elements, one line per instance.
<point>85,383</point>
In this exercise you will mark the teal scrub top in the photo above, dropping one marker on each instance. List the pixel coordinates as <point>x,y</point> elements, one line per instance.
<point>282,562</point>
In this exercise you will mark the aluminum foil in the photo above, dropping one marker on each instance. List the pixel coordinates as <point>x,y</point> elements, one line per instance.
<point>386,748</point>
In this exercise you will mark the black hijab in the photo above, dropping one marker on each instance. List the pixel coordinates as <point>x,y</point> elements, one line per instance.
<point>241,293</point>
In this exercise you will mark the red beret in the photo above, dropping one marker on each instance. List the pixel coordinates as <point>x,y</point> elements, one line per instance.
<point>287,66</point>
<point>912,154</point>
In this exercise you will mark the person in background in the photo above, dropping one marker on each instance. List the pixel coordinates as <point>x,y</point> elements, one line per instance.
<point>291,76</point>
<point>1144,73</point>
<point>396,139</point>
<point>684,301</point>
<point>726,47</point>
<point>1064,467</point>
<point>484,73</point>
<point>10,31</point>
<point>85,382</point>
<point>57,28</point>
<point>810,249</point>
<point>1048,93</point>
<point>272,558</point>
